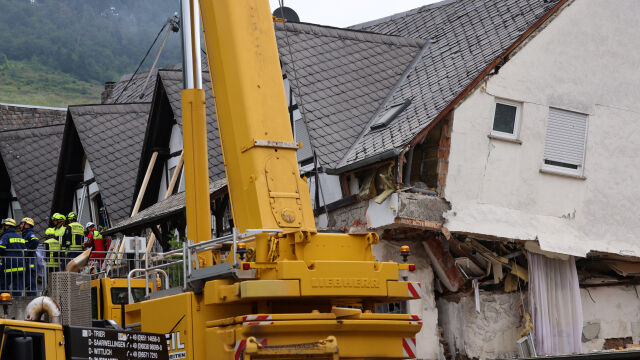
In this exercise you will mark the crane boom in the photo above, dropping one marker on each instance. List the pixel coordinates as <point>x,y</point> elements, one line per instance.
<point>264,183</point>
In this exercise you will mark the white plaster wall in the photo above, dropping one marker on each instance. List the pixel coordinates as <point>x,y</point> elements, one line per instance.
<point>175,145</point>
<point>615,310</point>
<point>330,188</point>
<point>586,60</point>
<point>492,333</point>
<point>427,340</point>
<point>88,174</point>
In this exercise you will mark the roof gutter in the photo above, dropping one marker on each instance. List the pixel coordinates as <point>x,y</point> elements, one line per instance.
<point>503,57</point>
<point>364,162</point>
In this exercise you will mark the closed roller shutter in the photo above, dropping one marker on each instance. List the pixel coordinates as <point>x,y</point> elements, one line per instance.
<point>565,140</point>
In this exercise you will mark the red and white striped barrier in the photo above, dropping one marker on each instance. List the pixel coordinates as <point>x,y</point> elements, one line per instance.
<point>414,289</point>
<point>241,344</point>
<point>408,348</point>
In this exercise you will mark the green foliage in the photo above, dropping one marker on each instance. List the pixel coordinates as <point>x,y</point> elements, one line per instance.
<point>28,82</point>
<point>93,40</point>
<point>3,61</point>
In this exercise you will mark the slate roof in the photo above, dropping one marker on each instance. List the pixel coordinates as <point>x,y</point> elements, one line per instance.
<point>339,78</point>
<point>129,88</point>
<point>30,141</point>
<point>171,80</point>
<point>465,37</point>
<point>16,117</point>
<point>172,205</point>
<point>112,136</point>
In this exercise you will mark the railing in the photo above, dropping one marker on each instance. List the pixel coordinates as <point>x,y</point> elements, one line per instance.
<point>167,263</point>
<point>27,272</point>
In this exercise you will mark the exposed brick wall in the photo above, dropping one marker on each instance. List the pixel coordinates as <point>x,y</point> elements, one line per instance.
<point>443,154</point>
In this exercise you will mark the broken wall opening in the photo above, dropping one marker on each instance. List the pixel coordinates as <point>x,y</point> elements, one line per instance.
<point>430,159</point>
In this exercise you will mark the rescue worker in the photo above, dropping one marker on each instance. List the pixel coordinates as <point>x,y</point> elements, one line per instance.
<point>12,247</point>
<point>96,242</point>
<point>75,239</point>
<point>30,261</point>
<point>59,233</point>
<point>52,251</point>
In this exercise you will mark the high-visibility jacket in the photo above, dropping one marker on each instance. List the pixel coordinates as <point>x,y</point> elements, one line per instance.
<point>77,236</point>
<point>97,243</point>
<point>12,247</point>
<point>53,252</point>
<point>59,235</point>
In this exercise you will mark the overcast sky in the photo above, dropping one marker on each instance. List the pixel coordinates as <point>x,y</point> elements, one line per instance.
<point>343,13</point>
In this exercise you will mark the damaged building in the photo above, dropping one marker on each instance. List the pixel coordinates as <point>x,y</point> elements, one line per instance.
<point>490,152</point>
<point>477,132</point>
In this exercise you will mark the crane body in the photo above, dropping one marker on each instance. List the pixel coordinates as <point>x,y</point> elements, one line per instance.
<point>293,285</point>
<point>276,288</point>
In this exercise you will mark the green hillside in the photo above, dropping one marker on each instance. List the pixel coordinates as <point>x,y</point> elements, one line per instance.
<point>60,52</point>
<point>26,82</point>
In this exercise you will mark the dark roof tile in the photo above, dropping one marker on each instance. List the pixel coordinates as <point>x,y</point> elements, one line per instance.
<point>465,37</point>
<point>112,136</point>
<point>30,141</point>
<point>335,71</point>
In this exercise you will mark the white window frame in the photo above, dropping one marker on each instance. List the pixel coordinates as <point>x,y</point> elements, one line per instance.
<point>561,170</point>
<point>516,125</point>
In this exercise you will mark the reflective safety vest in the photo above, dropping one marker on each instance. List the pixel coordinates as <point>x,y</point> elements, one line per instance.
<point>77,236</point>
<point>12,247</point>
<point>59,234</point>
<point>53,255</point>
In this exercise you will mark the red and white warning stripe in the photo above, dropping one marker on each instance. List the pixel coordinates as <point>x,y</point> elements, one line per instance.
<point>241,344</point>
<point>255,323</point>
<point>408,348</point>
<point>414,317</point>
<point>257,317</point>
<point>414,289</point>
<point>415,322</point>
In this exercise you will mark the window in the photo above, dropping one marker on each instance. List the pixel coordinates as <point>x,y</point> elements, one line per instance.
<point>392,308</point>
<point>120,295</point>
<point>565,142</point>
<point>389,115</point>
<point>506,119</point>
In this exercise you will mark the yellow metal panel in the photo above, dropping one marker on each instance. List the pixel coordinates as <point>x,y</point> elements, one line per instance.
<point>269,288</point>
<point>196,169</point>
<point>356,338</point>
<point>219,291</point>
<point>406,290</point>
<point>251,107</point>
<point>340,278</point>
<point>164,314</point>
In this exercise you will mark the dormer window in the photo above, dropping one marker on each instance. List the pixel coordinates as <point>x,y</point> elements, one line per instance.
<point>389,115</point>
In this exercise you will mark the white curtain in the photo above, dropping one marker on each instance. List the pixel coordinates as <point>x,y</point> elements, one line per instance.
<point>556,307</point>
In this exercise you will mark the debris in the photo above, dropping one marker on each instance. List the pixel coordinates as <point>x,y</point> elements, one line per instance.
<point>368,187</point>
<point>510,283</point>
<point>384,183</point>
<point>625,268</point>
<point>468,268</point>
<point>476,294</point>
<point>443,264</point>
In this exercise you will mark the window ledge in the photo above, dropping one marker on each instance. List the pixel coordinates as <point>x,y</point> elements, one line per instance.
<point>504,138</point>
<point>562,173</point>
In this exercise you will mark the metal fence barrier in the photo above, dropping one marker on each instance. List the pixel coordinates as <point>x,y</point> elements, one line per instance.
<point>28,272</point>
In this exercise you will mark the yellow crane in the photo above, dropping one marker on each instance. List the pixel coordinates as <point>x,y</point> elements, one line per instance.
<point>289,288</point>
<point>276,288</point>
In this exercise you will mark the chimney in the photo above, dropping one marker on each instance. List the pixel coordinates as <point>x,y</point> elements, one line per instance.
<point>108,89</point>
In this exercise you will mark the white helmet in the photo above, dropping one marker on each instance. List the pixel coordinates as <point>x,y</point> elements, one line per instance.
<point>89,225</point>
